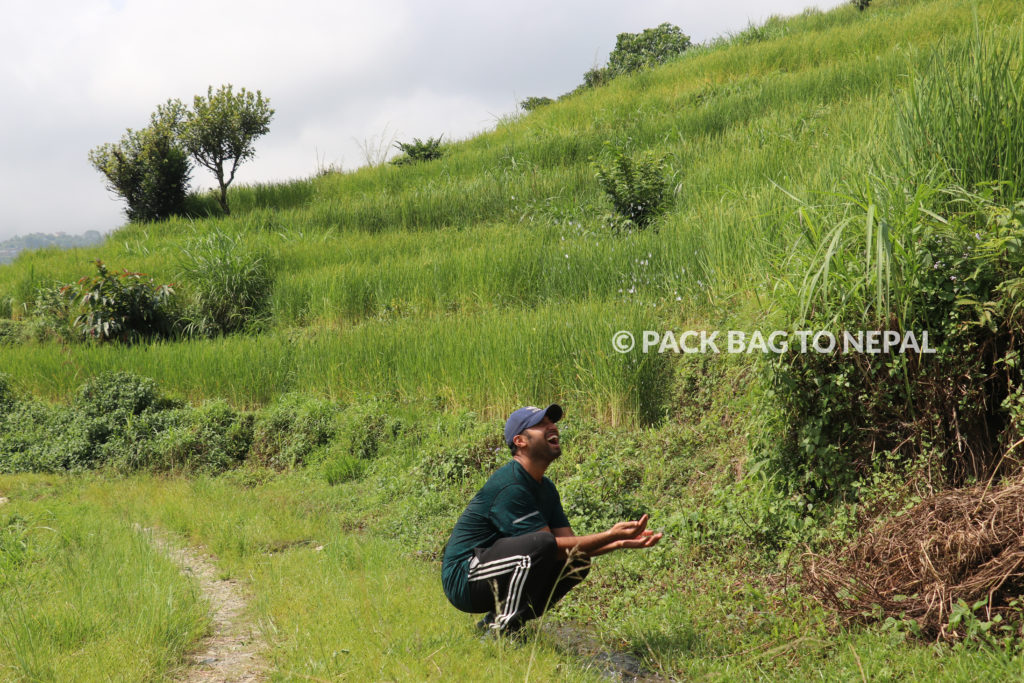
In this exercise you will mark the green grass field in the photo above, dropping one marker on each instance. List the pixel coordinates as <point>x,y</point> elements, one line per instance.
<point>413,307</point>
<point>502,239</point>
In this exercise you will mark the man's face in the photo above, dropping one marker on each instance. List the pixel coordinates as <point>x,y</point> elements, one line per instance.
<point>542,440</point>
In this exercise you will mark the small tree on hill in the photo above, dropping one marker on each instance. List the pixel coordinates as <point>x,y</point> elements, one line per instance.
<point>531,103</point>
<point>653,46</point>
<point>419,150</point>
<point>221,128</point>
<point>148,168</point>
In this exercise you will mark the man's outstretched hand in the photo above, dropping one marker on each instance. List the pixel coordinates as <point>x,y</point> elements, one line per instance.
<point>630,534</point>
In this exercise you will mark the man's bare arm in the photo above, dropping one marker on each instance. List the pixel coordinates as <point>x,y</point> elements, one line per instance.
<point>631,534</point>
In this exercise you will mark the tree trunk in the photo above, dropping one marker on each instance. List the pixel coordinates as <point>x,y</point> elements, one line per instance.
<point>224,199</point>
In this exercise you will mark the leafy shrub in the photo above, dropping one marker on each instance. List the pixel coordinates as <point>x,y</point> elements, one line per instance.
<point>861,4</point>
<point>603,487</point>
<point>7,395</point>
<point>211,438</point>
<point>637,184</point>
<point>37,437</point>
<point>12,331</point>
<point>228,285</point>
<point>125,306</point>
<point>119,394</point>
<point>531,103</point>
<point>651,47</point>
<point>462,450</point>
<point>597,76</point>
<point>288,432</point>
<point>419,150</point>
<point>148,168</point>
<point>121,421</point>
<point>949,414</point>
<point>53,313</point>
<point>365,427</point>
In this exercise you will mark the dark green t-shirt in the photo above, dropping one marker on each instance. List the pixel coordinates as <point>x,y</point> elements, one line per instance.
<point>511,503</point>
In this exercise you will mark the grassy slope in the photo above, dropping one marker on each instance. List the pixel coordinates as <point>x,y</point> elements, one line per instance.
<point>448,284</point>
<point>441,279</point>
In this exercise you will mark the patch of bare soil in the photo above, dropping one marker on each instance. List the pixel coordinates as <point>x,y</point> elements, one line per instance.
<point>232,651</point>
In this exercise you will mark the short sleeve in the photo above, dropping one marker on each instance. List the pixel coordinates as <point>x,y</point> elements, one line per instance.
<point>515,512</point>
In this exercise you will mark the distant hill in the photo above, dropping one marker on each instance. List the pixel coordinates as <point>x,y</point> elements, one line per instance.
<point>9,249</point>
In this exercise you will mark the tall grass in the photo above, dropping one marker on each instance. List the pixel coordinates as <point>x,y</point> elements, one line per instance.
<point>84,597</point>
<point>489,361</point>
<point>964,111</point>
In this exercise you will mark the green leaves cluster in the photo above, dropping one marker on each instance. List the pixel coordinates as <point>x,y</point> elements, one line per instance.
<point>419,150</point>
<point>637,185</point>
<point>531,103</point>
<point>958,276</point>
<point>127,307</point>
<point>650,47</point>
<point>148,168</point>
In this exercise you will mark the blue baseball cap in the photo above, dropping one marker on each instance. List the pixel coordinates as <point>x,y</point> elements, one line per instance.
<point>524,418</point>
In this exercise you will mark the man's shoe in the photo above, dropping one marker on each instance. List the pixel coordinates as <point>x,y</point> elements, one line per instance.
<point>486,624</point>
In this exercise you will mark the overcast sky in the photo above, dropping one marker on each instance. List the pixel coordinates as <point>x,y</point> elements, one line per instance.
<point>75,73</point>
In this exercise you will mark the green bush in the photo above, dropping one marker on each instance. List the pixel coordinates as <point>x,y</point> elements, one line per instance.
<point>228,286</point>
<point>949,414</point>
<point>419,150</point>
<point>119,394</point>
<point>462,451</point>
<point>38,437</point>
<point>288,432</point>
<point>210,438</point>
<point>364,428</point>
<point>531,103</point>
<point>122,422</point>
<point>637,185</point>
<point>651,47</point>
<point>125,307</point>
<point>7,395</point>
<point>13,331</point>
<point>149,169</point>
<point>597,76</point>
<point>53,313</point>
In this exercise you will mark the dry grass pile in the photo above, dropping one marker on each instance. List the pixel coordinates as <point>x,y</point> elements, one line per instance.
<point>962,544</point>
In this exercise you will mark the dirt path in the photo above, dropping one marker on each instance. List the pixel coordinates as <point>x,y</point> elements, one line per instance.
<point>232,652</point>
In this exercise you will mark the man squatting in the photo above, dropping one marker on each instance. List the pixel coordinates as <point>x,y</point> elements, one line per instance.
<point>512,553</point>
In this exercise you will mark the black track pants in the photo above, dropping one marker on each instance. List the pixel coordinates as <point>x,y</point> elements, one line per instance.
<point>521,576</point>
